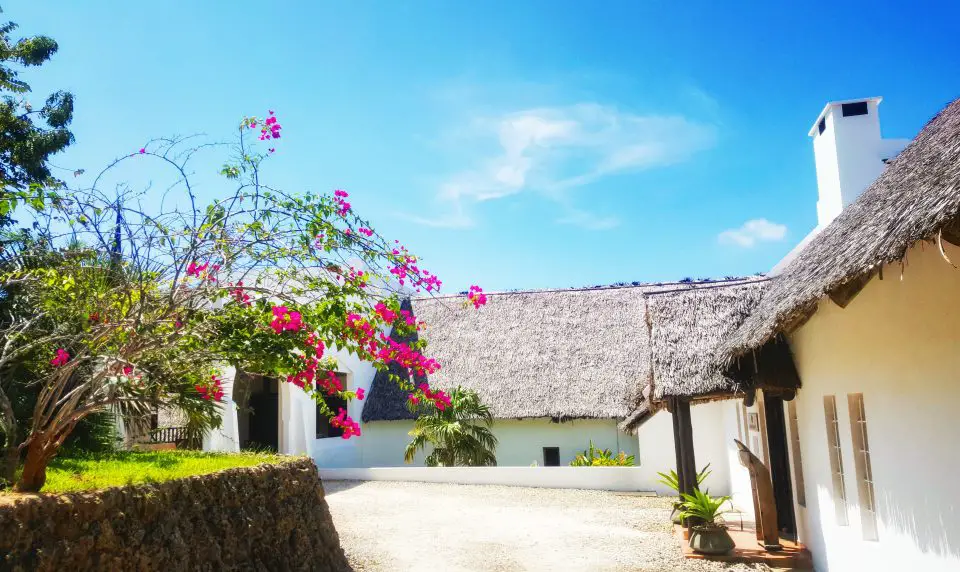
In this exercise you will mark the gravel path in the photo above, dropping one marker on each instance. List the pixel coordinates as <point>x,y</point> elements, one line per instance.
<point>437,527</point>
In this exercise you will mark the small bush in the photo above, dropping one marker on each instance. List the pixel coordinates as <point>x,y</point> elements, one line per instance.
<point>596,457</point>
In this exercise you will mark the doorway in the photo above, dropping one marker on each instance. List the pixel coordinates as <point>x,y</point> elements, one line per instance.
<point>779,464</point>
<point>262,415</point>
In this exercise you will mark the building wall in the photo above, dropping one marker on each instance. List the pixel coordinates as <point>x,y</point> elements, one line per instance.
<point>521,441</point>
<point>591,478</point>
<point>657,452</point>
<point>897,343</point>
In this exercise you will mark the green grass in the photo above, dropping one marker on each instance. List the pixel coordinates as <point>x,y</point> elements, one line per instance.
<point>89,472</point>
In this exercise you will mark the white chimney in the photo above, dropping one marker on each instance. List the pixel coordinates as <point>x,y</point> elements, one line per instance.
<point>849,151</point>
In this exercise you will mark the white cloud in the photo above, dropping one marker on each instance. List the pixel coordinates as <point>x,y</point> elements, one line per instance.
<point>552,150</point>
<point>753,231</point>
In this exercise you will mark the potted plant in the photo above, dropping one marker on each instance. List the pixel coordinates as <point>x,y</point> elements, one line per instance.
<point>672,480</point>
<point>709,535</point>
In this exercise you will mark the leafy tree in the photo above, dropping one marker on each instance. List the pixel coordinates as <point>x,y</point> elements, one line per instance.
<point>142,307</point>
<point>459,433</point>
<point>30,134</point>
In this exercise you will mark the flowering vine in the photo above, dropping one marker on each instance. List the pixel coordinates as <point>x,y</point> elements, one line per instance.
<point>212,391</point>
<point>60,358</point>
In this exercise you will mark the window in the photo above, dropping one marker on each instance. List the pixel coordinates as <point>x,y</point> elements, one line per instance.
<point>861,458</point>
<point>551,456</point>
<point>822,125</point>
<point>334,402</point>
<point>852,109</point>
<point>836,458</point>
<point>741,411</point>
<point>797,460</point>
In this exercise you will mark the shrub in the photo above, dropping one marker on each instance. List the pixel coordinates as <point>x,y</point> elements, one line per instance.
<point>596,457</point>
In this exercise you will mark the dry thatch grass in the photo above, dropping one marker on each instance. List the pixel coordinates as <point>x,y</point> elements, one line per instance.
<point>575,353</point>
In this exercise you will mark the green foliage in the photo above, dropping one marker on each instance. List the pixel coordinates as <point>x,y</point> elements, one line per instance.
<point>80,472</point>
<point>96,434</point>
<point>701,506</point>
<point>26,145</point>
<point>596,457</point>
<point>672,480</point>
<point>459,435</point>
<point>142,306</point>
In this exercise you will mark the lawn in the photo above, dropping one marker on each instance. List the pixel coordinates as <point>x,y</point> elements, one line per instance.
<point>88,472</point>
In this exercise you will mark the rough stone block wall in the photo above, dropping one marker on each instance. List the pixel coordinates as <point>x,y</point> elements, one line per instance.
<point>268,517</point>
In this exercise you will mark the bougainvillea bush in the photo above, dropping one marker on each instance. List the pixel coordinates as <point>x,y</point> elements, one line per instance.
<point>141,306</point>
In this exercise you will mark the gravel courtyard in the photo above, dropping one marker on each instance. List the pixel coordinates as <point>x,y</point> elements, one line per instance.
<point>438,527</point>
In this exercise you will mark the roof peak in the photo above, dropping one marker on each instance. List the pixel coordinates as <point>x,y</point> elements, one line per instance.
<point>686,283</point>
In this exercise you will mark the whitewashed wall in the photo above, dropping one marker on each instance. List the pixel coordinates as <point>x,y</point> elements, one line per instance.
<point>227,437</point>
<point>657,452</point>
<point>594,478</point>
<point>521,442</point>
<point>898,343</point>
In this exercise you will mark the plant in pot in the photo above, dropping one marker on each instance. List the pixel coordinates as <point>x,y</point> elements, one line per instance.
<point>709,535</point>
<point>672,480</point>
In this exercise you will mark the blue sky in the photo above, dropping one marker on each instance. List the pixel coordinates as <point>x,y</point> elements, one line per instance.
<point>515,144</point>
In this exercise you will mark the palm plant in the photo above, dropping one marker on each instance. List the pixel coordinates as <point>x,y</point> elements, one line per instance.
<point>702,507</point>
<point>459,434</point>
<point>672,480</point>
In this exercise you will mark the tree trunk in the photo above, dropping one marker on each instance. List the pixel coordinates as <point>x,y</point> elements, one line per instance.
<point>34,468</point>
<point>8,466</point>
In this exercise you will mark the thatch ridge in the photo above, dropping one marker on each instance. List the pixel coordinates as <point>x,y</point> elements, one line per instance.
<point>916,198</point>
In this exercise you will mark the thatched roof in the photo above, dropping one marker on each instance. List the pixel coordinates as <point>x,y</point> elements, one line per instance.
<point>917,197</point>
<point>566,354</point>
<point>685,328</point>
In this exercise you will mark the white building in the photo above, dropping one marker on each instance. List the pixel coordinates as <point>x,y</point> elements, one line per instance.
<point>559,368</point>
<point>849,357</point>
<point>868,307</point>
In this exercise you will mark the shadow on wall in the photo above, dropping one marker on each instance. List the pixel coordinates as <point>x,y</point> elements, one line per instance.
<point>932,523</point>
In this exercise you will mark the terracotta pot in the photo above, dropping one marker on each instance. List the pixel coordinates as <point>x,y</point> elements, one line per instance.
<point>710,540</point>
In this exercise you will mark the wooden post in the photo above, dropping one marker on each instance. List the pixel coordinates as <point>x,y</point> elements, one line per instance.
<point>764,505</point>
<point>678,445</point>
<point>687,457</point>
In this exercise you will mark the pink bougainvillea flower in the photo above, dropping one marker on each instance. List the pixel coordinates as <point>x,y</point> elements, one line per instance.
<point>61,358</point>
<point>194,269</point>
<point>349,426</point>
<point>143,150</point>
<point>240,295</point>
<point>385,313</point>
<point>127,370</point>
<point>476,296</point>
<point>286,320</point>
<point>212,391</point>
<point>360,393</point>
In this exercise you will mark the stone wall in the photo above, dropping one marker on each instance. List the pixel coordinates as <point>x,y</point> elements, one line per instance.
<point>268,517</point>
